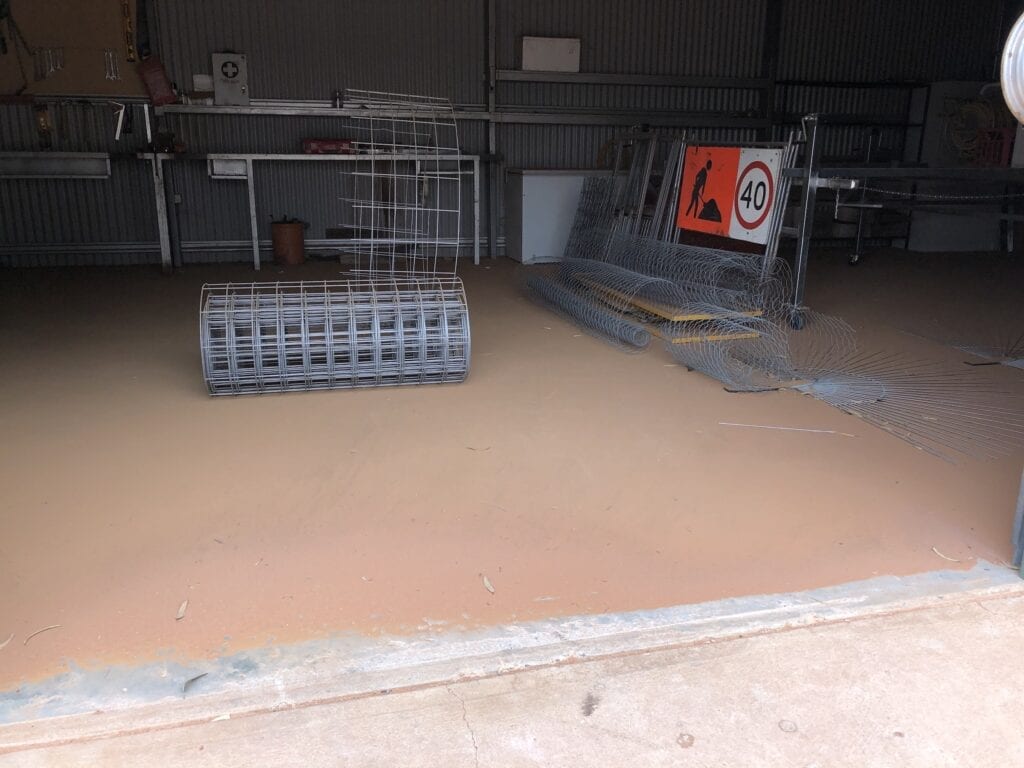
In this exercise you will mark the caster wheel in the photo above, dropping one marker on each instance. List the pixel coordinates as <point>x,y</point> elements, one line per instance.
<point>854,260</point>
<point>797,321</point>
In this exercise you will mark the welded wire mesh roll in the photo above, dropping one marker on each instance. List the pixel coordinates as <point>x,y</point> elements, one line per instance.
<point>275,337</point>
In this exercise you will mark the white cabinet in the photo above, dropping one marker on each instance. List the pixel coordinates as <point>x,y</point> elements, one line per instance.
<point>540,207</point>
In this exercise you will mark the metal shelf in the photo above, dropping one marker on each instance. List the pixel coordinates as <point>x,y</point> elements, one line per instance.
<point>243,171</point>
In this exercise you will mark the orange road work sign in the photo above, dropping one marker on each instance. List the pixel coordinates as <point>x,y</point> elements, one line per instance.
<point>729,191</point>
<point>706,195</point>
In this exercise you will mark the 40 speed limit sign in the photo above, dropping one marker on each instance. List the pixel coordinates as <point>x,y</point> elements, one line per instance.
<point>729,191</point>
<point>756,182</point>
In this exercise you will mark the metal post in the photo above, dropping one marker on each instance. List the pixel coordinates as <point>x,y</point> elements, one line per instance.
<point>858,242</point>
<point>492,135</point>
<point>1018,529</point>
<point>249,185</point>
<point>644,181</point>
<point>160,200</point>
<point>1010,224</point>
<point>476,211</point>
<point>808,198</point>
<point>781,204</point>
<point>174,222</point>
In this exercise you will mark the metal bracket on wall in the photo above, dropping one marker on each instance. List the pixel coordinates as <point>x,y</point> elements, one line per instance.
<point>54,165</point>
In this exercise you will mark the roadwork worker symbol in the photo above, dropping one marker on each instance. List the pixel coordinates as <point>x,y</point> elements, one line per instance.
<point>701,208</point>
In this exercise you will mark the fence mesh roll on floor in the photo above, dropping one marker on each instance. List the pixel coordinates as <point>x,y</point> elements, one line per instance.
<point>276,337</point>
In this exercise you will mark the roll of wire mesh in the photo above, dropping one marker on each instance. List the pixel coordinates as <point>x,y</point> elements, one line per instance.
<point>276,337</point>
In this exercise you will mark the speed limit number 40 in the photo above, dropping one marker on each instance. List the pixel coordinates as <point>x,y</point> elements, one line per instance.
<point>756,182</point>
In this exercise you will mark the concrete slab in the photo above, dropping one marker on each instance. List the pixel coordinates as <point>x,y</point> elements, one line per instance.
<point>121,703</point>
<point>930,686</point>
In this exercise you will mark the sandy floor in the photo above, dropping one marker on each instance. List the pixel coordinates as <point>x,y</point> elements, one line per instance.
<point>577,478</point>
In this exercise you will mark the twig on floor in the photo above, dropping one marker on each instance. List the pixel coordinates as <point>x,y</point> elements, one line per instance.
<point>945,557</point>
<point>787,429</point>
<point>40,631</point>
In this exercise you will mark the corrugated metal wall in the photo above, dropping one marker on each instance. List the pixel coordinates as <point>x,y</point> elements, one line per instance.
<point>721,38</point>
<point>111,221</point>
<point>305,49</point>
<point>925,40</point>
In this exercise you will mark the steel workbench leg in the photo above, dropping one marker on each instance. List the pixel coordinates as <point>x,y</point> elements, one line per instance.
<point>254,231</point>
<point>476,211</point>
<point>160,200</point>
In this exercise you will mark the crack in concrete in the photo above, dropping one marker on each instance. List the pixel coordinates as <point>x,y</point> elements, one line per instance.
<point>469,728</point>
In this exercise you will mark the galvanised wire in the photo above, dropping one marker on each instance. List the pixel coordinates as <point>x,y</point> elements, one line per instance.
<point>285,336</point>
<point>727,315</point>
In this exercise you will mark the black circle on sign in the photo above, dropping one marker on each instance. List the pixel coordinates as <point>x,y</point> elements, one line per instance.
<point>757,164</point>
<point>229,69</point>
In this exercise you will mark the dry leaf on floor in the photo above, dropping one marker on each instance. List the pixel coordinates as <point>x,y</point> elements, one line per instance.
<point>488,586</point>
<point>5,642</point>
<point>181,610</point>
<point>40,631</point>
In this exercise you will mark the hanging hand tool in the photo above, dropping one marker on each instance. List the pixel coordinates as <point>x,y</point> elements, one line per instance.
<point>17,40</point>
<point>129,31</point>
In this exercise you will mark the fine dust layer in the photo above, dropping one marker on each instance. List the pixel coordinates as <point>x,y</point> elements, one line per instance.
<point>576,478</point>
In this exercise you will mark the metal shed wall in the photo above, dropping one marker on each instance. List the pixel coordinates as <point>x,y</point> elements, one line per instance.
<point>305,49</point>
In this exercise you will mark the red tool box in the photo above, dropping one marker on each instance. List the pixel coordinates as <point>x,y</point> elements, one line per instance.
<point>327,147</point>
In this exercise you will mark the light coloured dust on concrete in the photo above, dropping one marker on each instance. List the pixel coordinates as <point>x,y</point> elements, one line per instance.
<point>924,688</point>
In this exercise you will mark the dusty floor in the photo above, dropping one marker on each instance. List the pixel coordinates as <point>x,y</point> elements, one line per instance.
<point>577,478</point>
<point>936,686</point>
